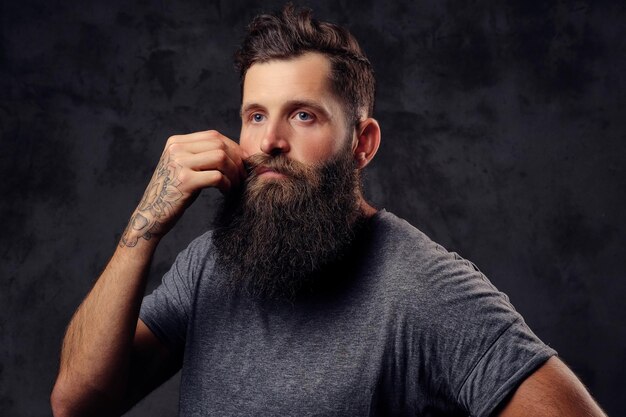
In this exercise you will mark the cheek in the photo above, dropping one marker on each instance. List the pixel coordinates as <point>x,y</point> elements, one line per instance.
<point>248,144</point>
<point>321,148</point>
<point>315,151</point>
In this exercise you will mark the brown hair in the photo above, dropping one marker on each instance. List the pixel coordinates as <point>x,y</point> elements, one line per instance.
<point>293,33</point>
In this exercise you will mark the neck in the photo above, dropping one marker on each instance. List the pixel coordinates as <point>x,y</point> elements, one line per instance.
<point>367,210</point>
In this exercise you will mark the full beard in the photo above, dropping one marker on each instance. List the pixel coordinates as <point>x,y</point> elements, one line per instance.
<point>275,236</point>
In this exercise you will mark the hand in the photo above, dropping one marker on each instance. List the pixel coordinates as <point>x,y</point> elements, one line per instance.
<point>188,164</point>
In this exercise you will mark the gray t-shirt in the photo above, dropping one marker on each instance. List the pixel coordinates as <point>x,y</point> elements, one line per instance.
<point>403,329</point>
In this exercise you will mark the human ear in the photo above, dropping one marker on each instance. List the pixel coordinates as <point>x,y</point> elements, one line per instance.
<point>366,141</point>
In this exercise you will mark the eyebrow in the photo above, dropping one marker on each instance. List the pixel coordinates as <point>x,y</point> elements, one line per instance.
<point>289,104</point>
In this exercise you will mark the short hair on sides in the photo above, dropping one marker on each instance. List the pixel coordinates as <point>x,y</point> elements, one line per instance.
<point>292,33</point>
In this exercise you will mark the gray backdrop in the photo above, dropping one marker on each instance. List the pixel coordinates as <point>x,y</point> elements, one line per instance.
<point>503,139</point>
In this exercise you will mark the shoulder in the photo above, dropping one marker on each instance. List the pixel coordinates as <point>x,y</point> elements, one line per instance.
<point>196,258</point>
<point>416,271</point>
<point>404,248</point>
<point>399,245</point>
<point>396,233</point>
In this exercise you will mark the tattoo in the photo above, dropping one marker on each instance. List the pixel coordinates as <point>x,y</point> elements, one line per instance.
<point>157,206</point>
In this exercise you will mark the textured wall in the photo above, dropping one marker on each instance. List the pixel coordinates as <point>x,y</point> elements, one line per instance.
<point>503,139</point>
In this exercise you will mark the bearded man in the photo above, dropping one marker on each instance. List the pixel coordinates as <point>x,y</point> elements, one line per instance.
<point>304,299</point>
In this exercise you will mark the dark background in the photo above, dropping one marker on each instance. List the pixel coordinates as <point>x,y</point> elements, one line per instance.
<point>503,139</point>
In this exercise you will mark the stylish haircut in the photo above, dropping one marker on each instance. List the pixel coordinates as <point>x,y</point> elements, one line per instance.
<point>293,32</point>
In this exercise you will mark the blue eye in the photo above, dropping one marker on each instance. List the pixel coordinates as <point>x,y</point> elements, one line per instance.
<point>304,116</point>
<point>257,117</point>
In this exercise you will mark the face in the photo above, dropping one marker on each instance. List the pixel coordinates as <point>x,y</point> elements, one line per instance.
<point>288,109</point>
<point>298,152</point>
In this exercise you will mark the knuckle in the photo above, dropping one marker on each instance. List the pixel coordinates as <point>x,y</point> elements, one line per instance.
<point>221,156</point>
<point>222,146</point>
<point>174,148</point>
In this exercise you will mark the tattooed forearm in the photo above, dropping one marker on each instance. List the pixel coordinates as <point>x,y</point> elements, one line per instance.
<point>157,205</point>
<point>137,228</point>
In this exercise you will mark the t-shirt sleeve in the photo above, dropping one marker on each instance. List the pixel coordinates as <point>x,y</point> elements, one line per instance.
<point>166,311</point>
<point>511,358</point>
<point>481,347</point>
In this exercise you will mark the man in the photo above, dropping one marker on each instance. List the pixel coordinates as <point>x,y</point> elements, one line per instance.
<point>305,300</point>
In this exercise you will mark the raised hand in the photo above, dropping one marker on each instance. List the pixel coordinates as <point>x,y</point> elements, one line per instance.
<point>188,164</point>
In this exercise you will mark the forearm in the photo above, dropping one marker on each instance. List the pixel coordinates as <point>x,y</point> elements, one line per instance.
<point>95,357</point>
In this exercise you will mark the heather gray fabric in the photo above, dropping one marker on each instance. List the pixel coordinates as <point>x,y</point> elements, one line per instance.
<point>403,328</point>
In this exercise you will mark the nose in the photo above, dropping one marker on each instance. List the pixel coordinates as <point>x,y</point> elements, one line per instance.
<point>274,139</point>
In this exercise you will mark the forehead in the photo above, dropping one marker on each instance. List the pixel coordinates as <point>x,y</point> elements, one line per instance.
<point>306,77</point>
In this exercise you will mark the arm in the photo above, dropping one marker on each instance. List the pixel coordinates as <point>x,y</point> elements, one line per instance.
<point>552,390</point>
<point>109,358</point>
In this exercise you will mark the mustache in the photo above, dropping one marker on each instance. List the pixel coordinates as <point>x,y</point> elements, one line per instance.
<point>278,163</point>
